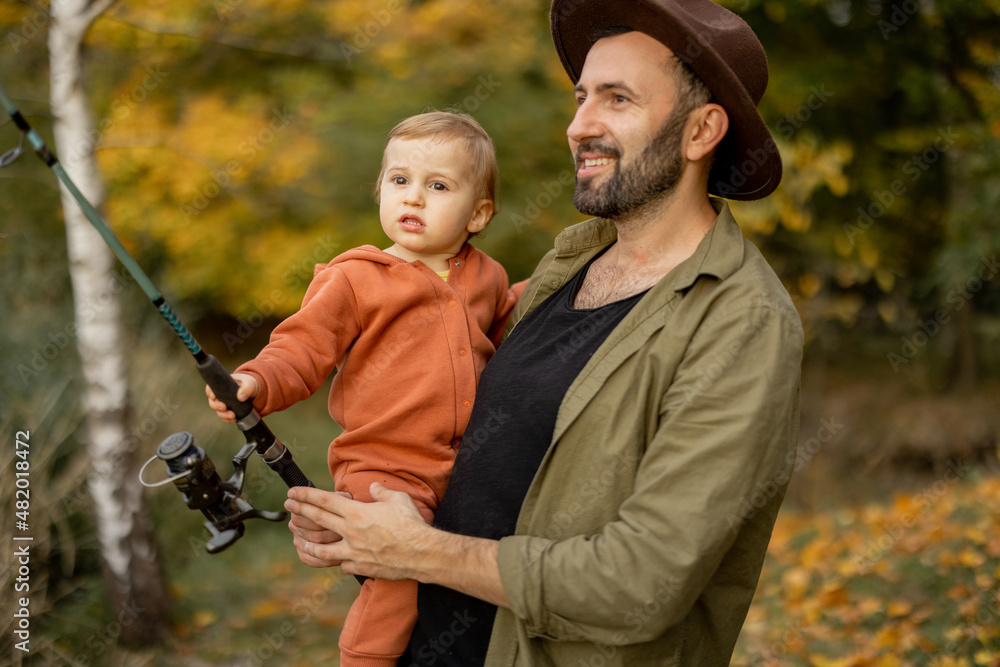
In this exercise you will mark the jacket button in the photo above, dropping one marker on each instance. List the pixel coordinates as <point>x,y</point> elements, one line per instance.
<point>452,303</point>
<point>462,352</point>
<point>466,403</point>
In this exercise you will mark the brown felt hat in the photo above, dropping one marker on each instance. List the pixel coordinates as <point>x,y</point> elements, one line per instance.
<point>721,49</point>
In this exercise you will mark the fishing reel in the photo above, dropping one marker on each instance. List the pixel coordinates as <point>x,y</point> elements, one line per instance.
<point>222,503</point>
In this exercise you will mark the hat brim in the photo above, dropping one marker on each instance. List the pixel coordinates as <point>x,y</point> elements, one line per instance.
<point>747,163</point>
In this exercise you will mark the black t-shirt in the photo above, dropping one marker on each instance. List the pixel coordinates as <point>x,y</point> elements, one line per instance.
<point>509,431</point>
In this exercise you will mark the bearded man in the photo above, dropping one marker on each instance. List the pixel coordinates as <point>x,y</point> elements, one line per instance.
<point>632,439</point>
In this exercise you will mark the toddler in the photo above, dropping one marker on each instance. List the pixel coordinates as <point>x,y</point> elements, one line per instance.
<point>408,329</point>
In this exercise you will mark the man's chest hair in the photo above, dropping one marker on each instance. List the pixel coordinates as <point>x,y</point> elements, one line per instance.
<point>606,283</point>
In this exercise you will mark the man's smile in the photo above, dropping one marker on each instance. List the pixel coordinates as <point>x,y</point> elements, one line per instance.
<point>591,162</point>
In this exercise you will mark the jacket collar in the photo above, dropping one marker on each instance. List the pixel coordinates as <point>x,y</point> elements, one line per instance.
<point>719,254</point>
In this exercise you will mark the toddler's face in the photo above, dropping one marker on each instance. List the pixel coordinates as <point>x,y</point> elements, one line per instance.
<point>429,202</point>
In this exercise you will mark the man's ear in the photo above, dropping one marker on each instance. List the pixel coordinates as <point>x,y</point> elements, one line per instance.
<point>481,215</point>
<point>709,125</point>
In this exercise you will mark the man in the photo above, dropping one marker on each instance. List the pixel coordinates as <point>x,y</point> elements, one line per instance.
<point>632,438</point>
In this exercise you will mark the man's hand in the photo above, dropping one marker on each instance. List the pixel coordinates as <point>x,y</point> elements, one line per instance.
<point>373,539</point>
<point>308,532</point>
<point>247,389</point>
<point>389,539</point>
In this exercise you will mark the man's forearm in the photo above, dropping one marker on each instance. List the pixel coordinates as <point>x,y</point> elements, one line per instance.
<point>466,564</point>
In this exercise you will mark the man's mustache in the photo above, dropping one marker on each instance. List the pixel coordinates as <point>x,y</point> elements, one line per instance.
<point>603,148</point>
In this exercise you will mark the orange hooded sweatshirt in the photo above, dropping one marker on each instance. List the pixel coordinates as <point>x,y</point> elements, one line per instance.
<point>408,348</point>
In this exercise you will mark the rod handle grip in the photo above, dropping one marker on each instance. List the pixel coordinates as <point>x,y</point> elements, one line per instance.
<point>224,386</point>
<point>289,470</point>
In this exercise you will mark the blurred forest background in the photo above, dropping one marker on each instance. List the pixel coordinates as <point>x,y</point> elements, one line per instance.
<point>239,142</point>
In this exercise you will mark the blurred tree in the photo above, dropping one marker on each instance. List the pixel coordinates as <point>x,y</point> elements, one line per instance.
<point>894,108</point>
<point>128,547</point>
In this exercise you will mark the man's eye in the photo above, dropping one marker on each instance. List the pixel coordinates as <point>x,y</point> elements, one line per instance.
<point>621,99</point>
<point>580,100</point>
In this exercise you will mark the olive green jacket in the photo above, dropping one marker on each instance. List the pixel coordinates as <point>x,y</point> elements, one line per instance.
<point>642,535</point>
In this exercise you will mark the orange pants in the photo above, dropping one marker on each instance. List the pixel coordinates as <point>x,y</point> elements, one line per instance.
<point>379,624</point>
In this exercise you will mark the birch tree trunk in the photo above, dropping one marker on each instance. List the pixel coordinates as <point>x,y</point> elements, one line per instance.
<point>137,593</point>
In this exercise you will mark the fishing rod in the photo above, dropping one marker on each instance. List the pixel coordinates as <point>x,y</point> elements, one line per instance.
<point>192,472</point>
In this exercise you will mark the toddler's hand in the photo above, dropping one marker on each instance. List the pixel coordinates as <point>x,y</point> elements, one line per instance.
<point>247,390</point>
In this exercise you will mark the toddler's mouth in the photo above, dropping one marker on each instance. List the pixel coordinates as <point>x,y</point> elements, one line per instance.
<point>411,221</point>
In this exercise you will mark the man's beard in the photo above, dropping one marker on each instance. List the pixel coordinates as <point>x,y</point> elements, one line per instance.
<point>651,176</point>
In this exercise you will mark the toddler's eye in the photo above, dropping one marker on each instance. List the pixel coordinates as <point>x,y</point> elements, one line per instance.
<point>441,187</point>
<point>398,180</point>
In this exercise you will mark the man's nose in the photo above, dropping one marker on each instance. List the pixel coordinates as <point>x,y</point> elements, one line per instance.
<point>586,124</point>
